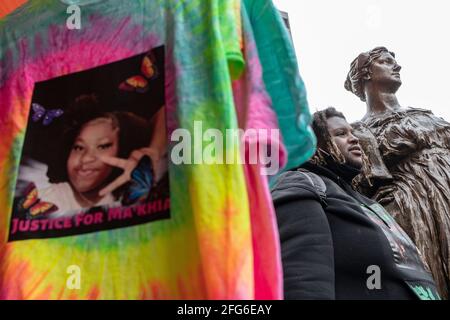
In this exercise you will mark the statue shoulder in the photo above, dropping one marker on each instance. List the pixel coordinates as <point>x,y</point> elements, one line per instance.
<point>373,120</point>
<point>362,130</point>
<point>419,110</point>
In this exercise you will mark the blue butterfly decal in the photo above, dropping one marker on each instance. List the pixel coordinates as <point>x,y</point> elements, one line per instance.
<point>141,182</point>
<point>39,112</point>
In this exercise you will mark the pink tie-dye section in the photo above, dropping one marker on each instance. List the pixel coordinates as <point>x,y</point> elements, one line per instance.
<point>254,111</point>
<point>253,104</point>
<point>266,248</point>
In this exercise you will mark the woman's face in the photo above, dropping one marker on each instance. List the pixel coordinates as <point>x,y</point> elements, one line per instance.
<point>97,138</point>
<point>342,134</point>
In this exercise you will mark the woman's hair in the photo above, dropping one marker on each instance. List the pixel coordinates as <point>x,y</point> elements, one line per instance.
<point>359,71</point>
<point>134,133</point>
<point>326,148</point>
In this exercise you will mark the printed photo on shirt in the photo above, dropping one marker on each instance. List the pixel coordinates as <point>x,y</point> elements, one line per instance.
<point>95,151</point>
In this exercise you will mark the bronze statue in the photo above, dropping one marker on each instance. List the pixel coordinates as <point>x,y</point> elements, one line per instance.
<point>412,177</point>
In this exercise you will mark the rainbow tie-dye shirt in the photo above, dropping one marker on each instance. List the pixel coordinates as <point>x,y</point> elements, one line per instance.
<point>204,249</point>
<point>219,240</point>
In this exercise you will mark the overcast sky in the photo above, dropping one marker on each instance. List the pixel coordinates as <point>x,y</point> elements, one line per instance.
<point>329,34</point>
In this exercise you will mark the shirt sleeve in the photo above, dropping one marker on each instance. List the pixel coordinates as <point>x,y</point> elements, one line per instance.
<point>282,79</point>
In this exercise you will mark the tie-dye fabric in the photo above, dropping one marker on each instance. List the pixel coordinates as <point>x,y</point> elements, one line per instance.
<point>9,6</point>
<point>254,108</point>
<point>204,251</point>
<point>282,80</point>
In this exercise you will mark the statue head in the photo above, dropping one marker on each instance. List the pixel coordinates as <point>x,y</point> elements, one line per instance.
<point>376,67</point>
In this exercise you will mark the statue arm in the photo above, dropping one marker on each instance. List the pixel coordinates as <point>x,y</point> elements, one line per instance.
<point>374,173</point>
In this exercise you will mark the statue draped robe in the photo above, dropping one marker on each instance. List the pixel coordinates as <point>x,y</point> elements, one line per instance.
<point>407,170</point>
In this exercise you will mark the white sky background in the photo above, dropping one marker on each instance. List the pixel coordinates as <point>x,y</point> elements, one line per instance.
<point>329,34</point>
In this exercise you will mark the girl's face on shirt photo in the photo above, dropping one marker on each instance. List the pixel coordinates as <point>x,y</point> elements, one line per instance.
<point>97,138</point>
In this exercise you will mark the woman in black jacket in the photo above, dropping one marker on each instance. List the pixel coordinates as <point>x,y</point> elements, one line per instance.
<point>335,242</point>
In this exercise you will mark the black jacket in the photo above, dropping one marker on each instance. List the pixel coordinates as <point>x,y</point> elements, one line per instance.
<point>329,242</point>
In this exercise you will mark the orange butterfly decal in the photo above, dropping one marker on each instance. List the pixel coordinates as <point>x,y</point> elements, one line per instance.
<point>140,82</point>
<point>34,205</point>
<point>31,196</point>
<point>42,207</point>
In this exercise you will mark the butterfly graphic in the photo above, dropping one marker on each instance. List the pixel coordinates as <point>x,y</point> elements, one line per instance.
<point>39,112</point>
<point>140,82</point>
<point>34,206</point>
<point>141,182</point>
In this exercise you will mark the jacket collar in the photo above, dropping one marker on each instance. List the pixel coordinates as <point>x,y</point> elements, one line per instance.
<point>335,171</point>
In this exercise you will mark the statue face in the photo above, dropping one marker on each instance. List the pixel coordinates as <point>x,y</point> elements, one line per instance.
<point>342,134</point>
<point>385,72</point>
